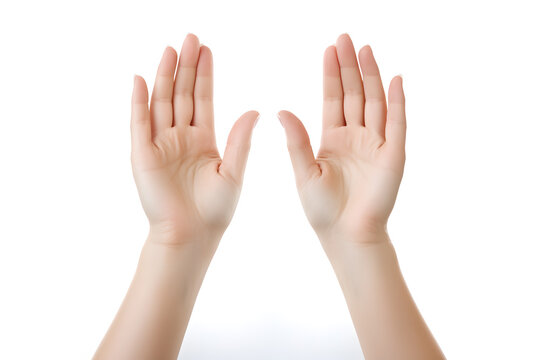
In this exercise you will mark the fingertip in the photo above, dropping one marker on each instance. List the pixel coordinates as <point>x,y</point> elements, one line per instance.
<point>278,115</point>
<point>298,144</point>
<point>247,120</point>
<point>331,63</point>
<point>257,117</point>
<point>167,64</point>
<point>365,55</point>
<point>344,37</point>
<point>171,55</point>
<point>367,61</point>
<point>395,90</point>
<point>330,50</point>
<point>253,115</point>
<point>396,124</point>
<point>191,37</point>
<point>206,48</point>
<point>366,50</point>
<point>294,128</point>
<point>171,50</point>
<point>285,114</point>
<point>205,64</point>
<point>250,114</point>
<point>345,48</point>
<point>238,145</point>
<point>206,51</point>
<point>140,91</point>
<point>190,51</point>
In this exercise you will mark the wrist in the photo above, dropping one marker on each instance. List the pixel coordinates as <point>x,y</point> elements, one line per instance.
<point>200,245</point>
<point>353,261</point>
<point>338,241</point>
<point>361,233</point>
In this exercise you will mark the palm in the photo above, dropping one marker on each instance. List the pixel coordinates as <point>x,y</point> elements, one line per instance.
<point>184,185</point>
<point>353,182</point>
<point>358,182</point>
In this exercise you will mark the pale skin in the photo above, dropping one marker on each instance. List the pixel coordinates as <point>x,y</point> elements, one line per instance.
<point>189,194</point>
<point>348,191</point>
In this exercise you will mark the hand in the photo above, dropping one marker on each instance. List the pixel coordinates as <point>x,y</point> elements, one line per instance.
<point>349,190</point>
<point>187,191</point>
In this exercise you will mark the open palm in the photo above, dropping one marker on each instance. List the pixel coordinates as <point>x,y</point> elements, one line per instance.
<point>351,186</point>
<point>186,189</point>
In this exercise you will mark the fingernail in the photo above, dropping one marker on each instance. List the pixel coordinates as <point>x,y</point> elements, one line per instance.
<point>344,34</point>
<point>257,120</point>
<point>279,117</point>
<point>368,48</point>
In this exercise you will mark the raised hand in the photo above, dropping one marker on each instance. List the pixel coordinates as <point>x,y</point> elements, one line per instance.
<point>348,192</point>
<point>350,188</point>
<point>188,192</point>
<point>189,195</point>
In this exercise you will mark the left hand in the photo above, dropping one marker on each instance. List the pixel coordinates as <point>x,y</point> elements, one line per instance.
<point>349,189</point>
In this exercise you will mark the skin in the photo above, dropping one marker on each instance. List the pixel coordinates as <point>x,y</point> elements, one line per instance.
<point>348,191</point>
<point>189,194</point>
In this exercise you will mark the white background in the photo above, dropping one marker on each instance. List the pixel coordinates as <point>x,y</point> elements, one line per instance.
<point>465,225</point>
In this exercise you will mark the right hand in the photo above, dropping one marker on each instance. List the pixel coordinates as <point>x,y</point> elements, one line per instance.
<point>187,191</point>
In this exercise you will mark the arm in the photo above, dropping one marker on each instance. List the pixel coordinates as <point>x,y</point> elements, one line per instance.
<point>348,192</point>
<point>189,195</point>
<point>387,321</point>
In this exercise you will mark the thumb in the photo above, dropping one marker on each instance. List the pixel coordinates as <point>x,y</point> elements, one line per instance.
<point>238,145</point>
<point>302,158</point>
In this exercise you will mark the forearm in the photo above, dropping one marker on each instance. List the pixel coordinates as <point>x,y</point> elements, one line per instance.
<point>386,319</point>
<point>153,317</point>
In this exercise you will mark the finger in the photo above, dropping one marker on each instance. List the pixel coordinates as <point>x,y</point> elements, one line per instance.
<point>351,80</point>
<point>185,80</point>
<point>375,106</point>
<point>238,145</point>
<point>300,151</point>
<point>203,113</point>
<point>141,130</point>
<point>161,109</point>
<point>396,124</point>
<point>332,91</point>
